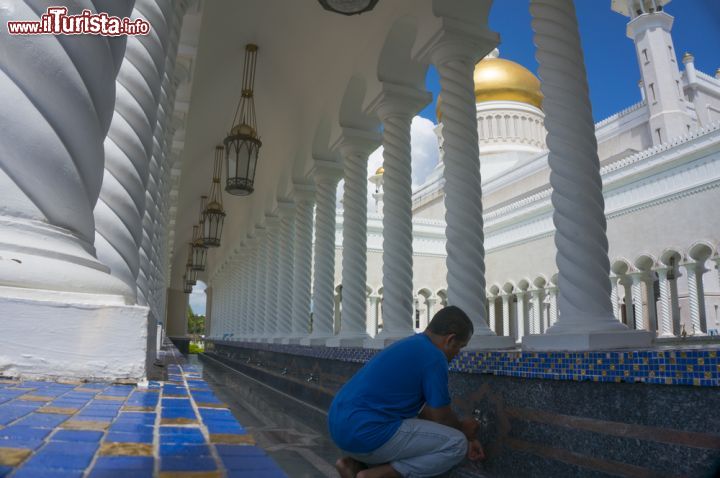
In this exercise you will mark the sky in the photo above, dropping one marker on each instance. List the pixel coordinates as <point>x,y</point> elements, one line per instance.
<point>610,57</point>
<point>610,61</point>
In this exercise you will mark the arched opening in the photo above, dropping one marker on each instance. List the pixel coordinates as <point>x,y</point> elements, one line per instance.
<point>197,317</point>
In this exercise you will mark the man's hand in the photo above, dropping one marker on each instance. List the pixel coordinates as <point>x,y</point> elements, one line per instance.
<point>475,451</point>
<point>469,427</point>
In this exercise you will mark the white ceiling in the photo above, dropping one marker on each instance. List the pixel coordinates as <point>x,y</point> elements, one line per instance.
<point>306,59</point>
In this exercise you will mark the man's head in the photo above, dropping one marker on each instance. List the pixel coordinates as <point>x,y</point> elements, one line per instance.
<point>450,330</point>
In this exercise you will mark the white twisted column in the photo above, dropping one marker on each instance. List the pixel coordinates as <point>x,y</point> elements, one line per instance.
<point>553,312</point>
<point>586,318</point>
<point>129,143</point>
<point>355,150</point>
<point>491,312</point>
<point>666,328</point>
<point>637,300</point>
<point>696,296</point>
<point>259,279</point>
<point>286,209</point>
<point>538,296</point>
<point>506,315</point>
<point>272,272</point>
<point>395,107</point>
<point>327,175</point>
<point>302,258</point>
<point>454,54</point>
<point>244,292</point>
<point>51,169</point>
<point>252,286</point>
<point>235,291</point>
<point>614,297</point>
<point>521,313</point>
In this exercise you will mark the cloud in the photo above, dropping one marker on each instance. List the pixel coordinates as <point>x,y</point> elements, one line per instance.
<point>425,156</point>
<point>198,298</point>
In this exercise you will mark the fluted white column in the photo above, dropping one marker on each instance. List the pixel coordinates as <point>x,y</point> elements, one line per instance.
<point>252,286</point>
<point>355,149</point>
<point>538,296</point>
<point>506,315</point>
<point>374,301</point>
<point>327,174</point>
<point>666,328</point>
<point>129,144</point>
<point>235,285</point>
<point>431,303</point>
<point>286,210</point>
<point>454,53</point>
<point>302,258</point>
<point>696,296</point>
<point>585,318</point>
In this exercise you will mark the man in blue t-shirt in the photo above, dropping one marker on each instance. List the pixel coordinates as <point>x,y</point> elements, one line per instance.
<point>393,418</point>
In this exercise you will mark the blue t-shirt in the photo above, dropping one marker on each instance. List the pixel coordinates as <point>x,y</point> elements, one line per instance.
<point>393,386</point>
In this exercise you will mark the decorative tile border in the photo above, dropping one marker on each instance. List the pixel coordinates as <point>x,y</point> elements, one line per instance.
<point>698,366</point>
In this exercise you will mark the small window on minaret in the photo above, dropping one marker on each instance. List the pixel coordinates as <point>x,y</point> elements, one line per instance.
<point>652,91</point>
<point>677,82</point>
<point>688,127</point>
<point>670,53</point>
<point>645,56</point>
<point>657,131</point>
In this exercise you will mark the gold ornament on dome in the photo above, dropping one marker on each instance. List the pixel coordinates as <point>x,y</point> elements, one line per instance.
<point>497,79</point>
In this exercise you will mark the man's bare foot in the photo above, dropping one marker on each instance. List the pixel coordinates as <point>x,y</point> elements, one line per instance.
<point>348,467</point>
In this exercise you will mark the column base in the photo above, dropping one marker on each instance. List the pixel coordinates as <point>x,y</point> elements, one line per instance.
<point>582,341</point>
<point>60,337</point>
<point>355,340</point>
<point>314,340</point>
<point>383,339</point>
<point>490,342</point>
<point>291,340</point>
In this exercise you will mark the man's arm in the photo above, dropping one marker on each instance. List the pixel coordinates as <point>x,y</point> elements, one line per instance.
<point>445,416</point>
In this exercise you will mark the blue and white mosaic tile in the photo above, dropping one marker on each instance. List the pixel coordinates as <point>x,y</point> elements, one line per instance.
<point>169,429</point>
<point>696,366</point>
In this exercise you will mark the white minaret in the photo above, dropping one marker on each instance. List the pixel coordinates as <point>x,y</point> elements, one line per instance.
<point>649,28</point>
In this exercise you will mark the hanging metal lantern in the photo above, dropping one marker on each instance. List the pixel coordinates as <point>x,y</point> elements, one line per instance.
<point>187,287</point>
<point>348,7</point>
<point>201,220</point>
<point>199,251</point>
<point>190,273</point>
<point>242,145</point>
<point>214,215</point>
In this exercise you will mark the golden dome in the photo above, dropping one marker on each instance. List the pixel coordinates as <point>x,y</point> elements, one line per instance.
<point>380,170</point>
<point>497,79</point>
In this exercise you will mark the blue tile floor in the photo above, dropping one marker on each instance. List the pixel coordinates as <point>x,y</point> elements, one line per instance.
<point>177,428</point>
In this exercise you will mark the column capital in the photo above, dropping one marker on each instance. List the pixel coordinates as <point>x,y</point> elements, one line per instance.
<point>286,207</point>
<point>303,190</point>
<point>271,220</point>
<point>357,142</point>
<point>327,170</point>
<point>456,40</point>
<point>398,100</point>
